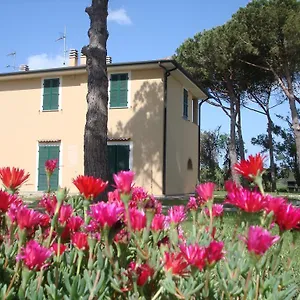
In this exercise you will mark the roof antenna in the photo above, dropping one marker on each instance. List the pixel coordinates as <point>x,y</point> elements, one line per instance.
<point>63,37</point>
<point>13,55</point>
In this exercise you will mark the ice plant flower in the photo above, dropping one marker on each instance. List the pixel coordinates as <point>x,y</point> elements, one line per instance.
<point>205,191</point>
<point>26,218</point>
<point>124,181</point>
<point>214,252</point>
<point>65,213</point>
<point>230,186</point>
<point>195,255</point>
<point>175,263</point>
<point>34,256</point>
<point>217,210</point>
<point>273,203</point>
<point>158,222</point>
<point>138,219</point>
<point>74,223</point>
<point>287,217</point>
<point>13,178</point>
<point>105,214</point>
<point>50,166</point>
<point>192,204</point>
<point>138,194</point>
<point>80,240</point>
<point>5,201</point>
<point>259,240</point>
<point>89,186</point>
<point>49,203</point>
<point>249,201</point>
<point>252,167</point>
<point>176,214</point>
<point>62,248</point>
<point>143,272</point>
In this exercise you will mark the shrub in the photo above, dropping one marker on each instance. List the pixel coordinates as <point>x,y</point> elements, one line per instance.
<point>126,248</point>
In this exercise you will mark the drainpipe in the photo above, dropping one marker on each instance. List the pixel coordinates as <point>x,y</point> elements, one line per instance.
<point>199,134</point>
<point>167,73</point>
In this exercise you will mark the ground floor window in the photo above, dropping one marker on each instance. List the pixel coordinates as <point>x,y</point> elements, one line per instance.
<point>45,152</point>
<point>118,158</point>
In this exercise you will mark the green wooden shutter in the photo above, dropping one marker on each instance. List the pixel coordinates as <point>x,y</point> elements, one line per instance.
<point>51,94</point>
<point>185,104</point>
<point>118,90</point>
<point>47,152</point>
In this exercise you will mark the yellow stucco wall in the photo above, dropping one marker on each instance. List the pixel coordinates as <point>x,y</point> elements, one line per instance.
<point>182,142</point>
<point>23,125</point>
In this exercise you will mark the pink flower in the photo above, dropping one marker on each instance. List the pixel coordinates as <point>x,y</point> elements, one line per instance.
<point>195,255</point>
<point>62,248</point>
<point>143,272</point>
<point>80,241</point>
<point>26,218</point>
<point>192,204</point>
<point>124,181</point>
<point>214,252</point>
<point>273,203</point>
<point>158,222</point>
<point>65,213</point>
<point>246,200</point>
<point>50,166</point>
<point>217,210</point>
<point>122,237</point>
<point>230,186</point>
<point>205,191</point>
<point>176,263</point>
<point>44,220</point>
<point>13,209</point>
<point>106,214</point>
<point>74,223</point>
<point>114,197</point>
<point>6,200</point>
<point>251,167</point>
<point>137,219</point>
<point>49,203</point>
<point>259,240</point>
<point>139,194</point>
<point>287,217</point>
<point>176,214</point>
<point>34,256</point>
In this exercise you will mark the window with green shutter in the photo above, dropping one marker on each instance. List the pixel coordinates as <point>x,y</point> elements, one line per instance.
<point>185,104</point>
<point>51,94</point>
<point>118,90</point>
<point>118,159</point>
<point>47,151</point>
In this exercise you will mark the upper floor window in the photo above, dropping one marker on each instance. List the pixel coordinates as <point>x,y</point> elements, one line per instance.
<point>185,104</point>
<point>118,96</point>
<point>51,94</point>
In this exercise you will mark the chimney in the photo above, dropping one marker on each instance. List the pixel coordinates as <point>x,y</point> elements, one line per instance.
<point>73,58</point>
<point>108,60</point>
<point>82,59</point>
<point>24,68</point>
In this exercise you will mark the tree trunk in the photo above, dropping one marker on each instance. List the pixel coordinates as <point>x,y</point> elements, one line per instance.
<point>271,152</point>
<point>95,131</point>
<point>239,131</point>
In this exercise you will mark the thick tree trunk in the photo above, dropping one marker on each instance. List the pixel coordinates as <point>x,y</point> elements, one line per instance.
<point>95,132</point>
<point>271,152</point>
<point>239,130</point>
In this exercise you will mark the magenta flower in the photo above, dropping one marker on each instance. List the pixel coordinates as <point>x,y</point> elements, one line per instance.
<point>137,219</point>
<point>139,194</point>
<point>195,255</point>
<point>214,252</point>
<point>74,223</point>
<point>49,203</point>
<point>106,214</point>
<point>176,263</point>
<point>80,240</point>
<point>50,166</point>
<point>246,200</point>
<point>124,181</point>
<point>217,210</point>
<point>34,256</point>
<point>273,203</point>
<point>176,214</point>
<point>25,217</point>
<point>205,191</point>
<point>287,217</point>
<point>158,222</point>
<point>192,204</point>
<point>259,240</point>
<point>65,213</point>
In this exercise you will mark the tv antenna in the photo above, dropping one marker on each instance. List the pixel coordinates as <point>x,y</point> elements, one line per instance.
<point>63,37</point>
<point>13,55</point>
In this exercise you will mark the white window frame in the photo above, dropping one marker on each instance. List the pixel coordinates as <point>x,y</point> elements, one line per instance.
<point>38,144</point>
<point>124,143</point>
<point>59,91</point>
<point>128,89</point>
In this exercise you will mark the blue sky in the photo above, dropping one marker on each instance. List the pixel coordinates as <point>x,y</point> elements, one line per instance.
<point>139,30</point>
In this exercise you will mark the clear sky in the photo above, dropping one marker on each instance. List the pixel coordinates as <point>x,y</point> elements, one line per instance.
<point>139,30</point>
